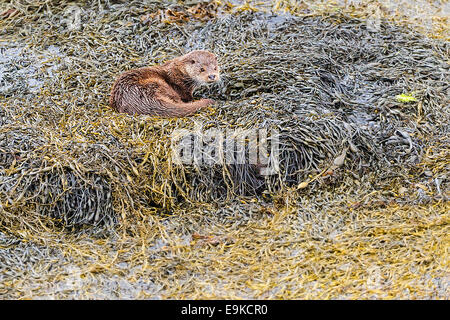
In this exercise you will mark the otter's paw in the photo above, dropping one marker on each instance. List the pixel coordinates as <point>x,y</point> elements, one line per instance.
<point>207,102</point>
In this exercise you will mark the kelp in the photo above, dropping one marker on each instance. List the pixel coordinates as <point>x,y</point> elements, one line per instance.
<point>359,168</point>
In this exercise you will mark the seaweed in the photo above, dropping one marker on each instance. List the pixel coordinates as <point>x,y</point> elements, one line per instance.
<point>361,179</point>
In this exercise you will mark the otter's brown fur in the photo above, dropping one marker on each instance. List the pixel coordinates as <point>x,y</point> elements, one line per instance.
<point>165,90</point>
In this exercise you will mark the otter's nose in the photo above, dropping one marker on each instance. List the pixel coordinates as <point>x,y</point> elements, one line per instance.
<point>212,77</point>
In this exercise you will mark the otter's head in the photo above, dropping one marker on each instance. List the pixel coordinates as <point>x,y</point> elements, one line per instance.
<point>201,66</point>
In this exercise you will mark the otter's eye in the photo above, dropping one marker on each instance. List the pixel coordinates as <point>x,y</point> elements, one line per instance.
<point>215,68</point>
<point>193,61</point>
<point>202,69</point>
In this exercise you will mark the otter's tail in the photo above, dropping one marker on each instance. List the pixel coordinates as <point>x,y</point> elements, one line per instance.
<point>169,108</point>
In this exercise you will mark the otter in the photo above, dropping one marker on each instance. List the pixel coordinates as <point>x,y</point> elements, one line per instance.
<point>166,90</point>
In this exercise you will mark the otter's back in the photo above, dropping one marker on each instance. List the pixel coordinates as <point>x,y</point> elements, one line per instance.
<point>134,92</point>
